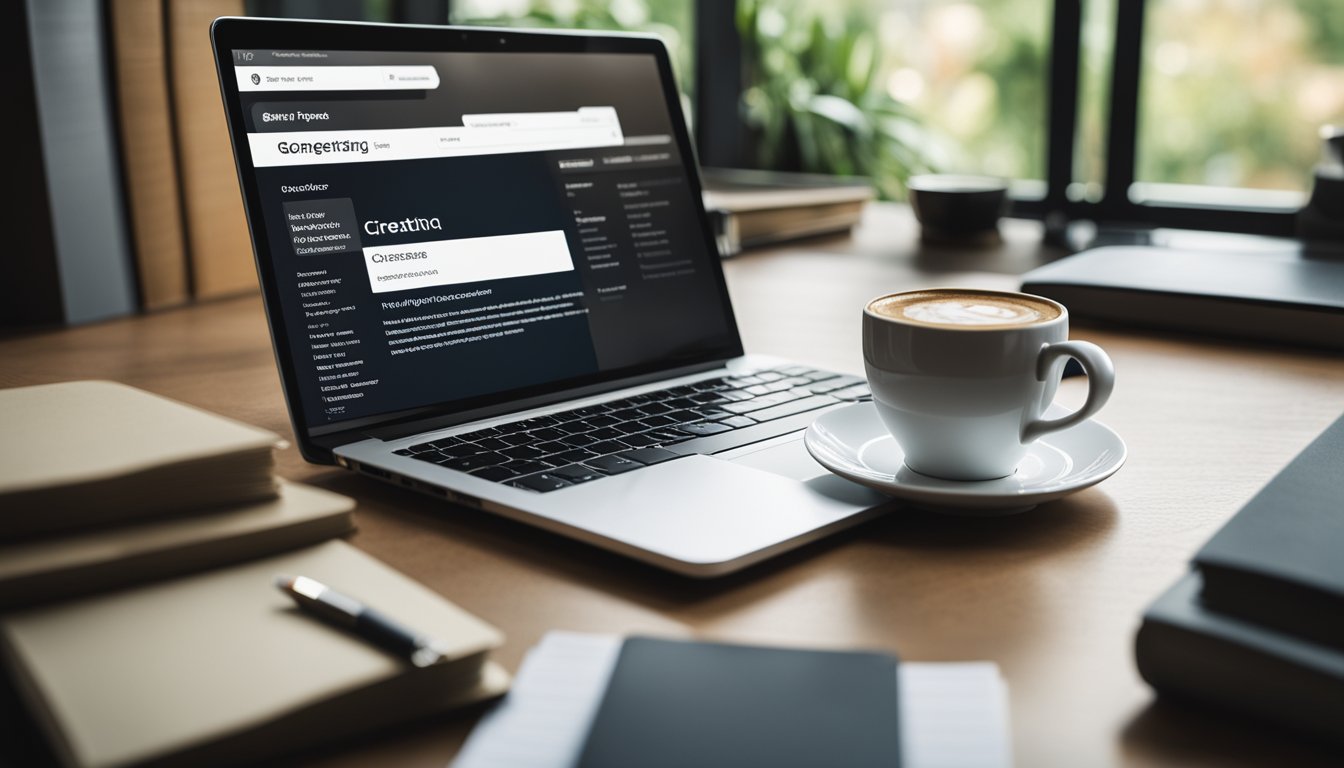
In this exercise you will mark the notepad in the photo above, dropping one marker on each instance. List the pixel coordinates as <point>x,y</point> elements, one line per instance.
<point>85,454</point>
<point>220,668</point>
<point>951,714</point>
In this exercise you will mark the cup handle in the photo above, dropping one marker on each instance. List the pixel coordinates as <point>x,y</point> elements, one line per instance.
<point>1100,383</point>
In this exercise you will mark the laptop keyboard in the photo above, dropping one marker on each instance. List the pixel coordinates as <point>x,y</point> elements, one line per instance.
<point>548,453</point>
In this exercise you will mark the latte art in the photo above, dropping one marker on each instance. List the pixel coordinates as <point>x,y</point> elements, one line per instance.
<point>965,309</point>
<point>979,312</point>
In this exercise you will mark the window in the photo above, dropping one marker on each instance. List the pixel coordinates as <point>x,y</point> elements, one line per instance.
<point>1233,94</point>
<point>944,84</point>
<point>672,20</point>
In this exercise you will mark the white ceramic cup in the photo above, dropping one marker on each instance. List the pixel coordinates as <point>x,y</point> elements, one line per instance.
<point>965,401</point>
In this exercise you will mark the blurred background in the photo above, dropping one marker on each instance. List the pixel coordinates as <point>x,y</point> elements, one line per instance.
<point>1204,113</point>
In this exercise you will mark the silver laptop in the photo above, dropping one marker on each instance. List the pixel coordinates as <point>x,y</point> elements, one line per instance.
<point>489,277</point>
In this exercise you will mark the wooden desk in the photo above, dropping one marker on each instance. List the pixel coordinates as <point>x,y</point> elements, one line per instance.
<point>1054,596</point>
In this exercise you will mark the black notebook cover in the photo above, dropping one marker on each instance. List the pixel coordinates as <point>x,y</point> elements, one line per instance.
<point>1280,560</point>
<point>677,704</point>
<point>1188,651</point>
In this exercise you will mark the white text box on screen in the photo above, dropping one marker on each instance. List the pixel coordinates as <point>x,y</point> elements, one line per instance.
<point>466,260</point>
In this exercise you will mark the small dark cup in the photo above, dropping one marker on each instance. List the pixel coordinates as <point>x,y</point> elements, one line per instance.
<point>957,207</point>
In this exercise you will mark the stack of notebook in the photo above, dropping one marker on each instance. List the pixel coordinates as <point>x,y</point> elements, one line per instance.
<point>139,542</point>
<point>1258,624</point>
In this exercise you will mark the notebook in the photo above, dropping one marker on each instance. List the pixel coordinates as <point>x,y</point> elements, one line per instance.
<point>41,570</point>
<point>221,668</point>
<point>87,453</point>
<point>675,703</point>
<point>1280,560</point>
<point>950,714</point>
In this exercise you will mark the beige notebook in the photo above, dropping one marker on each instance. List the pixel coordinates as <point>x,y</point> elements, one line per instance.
<point>222,668</point>
<point>33,572</point>
<point>88,453</point>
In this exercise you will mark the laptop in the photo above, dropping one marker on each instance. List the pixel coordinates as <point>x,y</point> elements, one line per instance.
<point>490,278</point>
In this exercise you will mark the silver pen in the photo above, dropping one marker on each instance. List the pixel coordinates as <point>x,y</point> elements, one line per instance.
<point>347,613</point>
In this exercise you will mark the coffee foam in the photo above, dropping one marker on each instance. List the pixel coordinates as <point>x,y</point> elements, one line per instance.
<point>969,309</point>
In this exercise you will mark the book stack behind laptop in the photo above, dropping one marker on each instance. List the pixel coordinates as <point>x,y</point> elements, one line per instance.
<point>1258,624</point>
<point>139,543</point>
<point>750,208</point>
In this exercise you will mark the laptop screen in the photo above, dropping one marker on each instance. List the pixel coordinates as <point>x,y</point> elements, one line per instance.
<point>470,228</point>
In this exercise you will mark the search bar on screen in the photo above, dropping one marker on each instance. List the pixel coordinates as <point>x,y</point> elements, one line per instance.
<point>373,78</point>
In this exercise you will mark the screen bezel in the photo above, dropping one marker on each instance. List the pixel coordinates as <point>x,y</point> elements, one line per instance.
<point>229,34</point>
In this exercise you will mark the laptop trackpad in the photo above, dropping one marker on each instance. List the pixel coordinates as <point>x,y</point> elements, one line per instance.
<point>792,460</point>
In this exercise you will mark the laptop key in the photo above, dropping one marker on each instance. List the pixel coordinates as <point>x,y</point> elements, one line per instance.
<point>574,455</point>
<point>576,473</point>
<point>613,465</point>
<point>631,428</point>
<point>495,474</point>
<point>555,446</point>
<point>547,433</point>
<point>839,382</point>
<point>470,463</point>
<point>461,449</point>
<point>572,428</point>
<point>682,417</point>
<point>403,452</point>
<point>519,438</point>
<point>492,444</point>
<point>853,394</point>
<point>661,420</point>
<point>579,441</point>
<point>789,409</point>
<point>654,408</point>
<point>523,452</point>
<point>737,422</point>
<point>607,446</point>
<point>526,467</point>
<point>712,414</point>
<point>703,428</point>
<point>758,403</point>
<point>649,455</point>
<point>602,421</point>
<point>640,441</point>
<point>606,433</point>
<point>542,483</point>
<point>667,436</point>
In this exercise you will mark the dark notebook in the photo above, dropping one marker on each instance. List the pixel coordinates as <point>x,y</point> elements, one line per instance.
<point>676,704</point>
<point>1280,561</point>
<point>1190,652</point>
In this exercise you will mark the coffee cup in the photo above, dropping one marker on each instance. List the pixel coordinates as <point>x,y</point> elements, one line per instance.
<point>962,377</point>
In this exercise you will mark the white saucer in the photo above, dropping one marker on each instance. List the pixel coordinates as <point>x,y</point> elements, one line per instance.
<point>853,443</point>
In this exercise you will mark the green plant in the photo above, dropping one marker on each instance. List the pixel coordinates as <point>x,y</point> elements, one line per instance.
<point>813,101</point>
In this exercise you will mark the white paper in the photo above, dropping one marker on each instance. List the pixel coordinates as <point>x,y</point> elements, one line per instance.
<point>952,715</point>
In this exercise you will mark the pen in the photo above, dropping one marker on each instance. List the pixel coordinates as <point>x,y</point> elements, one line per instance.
<point>350,614</point>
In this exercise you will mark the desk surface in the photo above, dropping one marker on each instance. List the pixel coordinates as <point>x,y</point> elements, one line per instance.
<point>1054,595</point>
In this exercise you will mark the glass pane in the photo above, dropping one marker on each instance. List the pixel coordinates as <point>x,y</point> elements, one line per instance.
<point>671,20</point>
<point>1094,93</point>
<point>889,87</point>
<point>1234,92</point>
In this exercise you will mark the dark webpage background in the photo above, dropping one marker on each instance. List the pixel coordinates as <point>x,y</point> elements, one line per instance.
<point>678,317</point>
